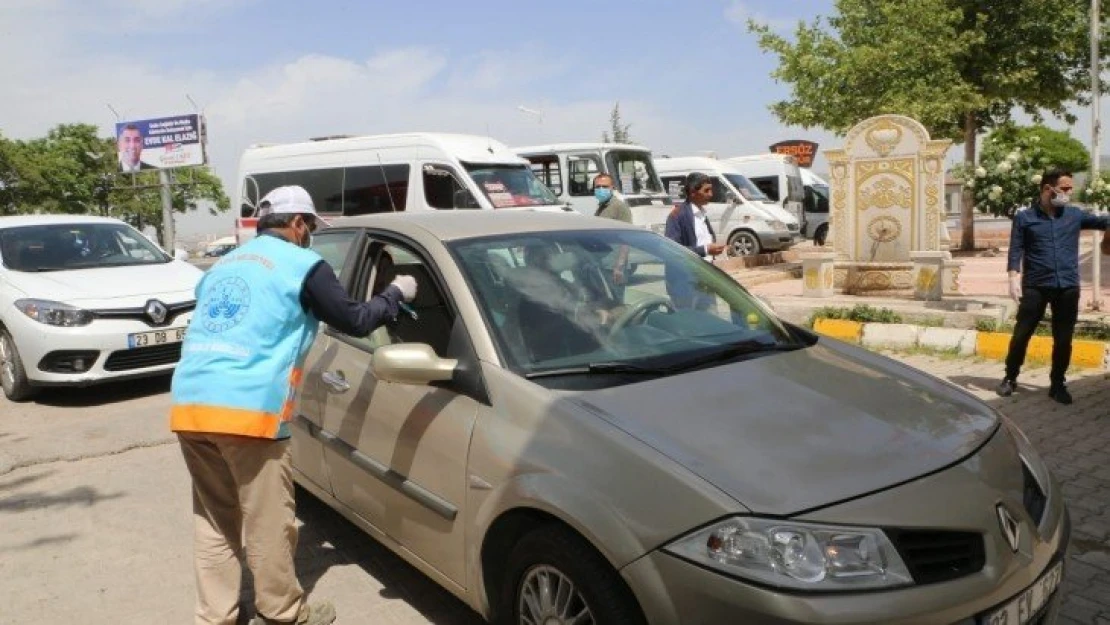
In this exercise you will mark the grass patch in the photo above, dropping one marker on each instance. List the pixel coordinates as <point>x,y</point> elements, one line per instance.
<point>952,353</point>
<point>861,313</point>
<point>1088,331</point>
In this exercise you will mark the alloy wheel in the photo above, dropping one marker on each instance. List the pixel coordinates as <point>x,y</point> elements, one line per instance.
<point>548,597</point>
<point>7,361</point>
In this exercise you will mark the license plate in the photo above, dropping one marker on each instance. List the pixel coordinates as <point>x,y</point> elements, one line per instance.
<point>157,337</point>
<point>1025,606</point>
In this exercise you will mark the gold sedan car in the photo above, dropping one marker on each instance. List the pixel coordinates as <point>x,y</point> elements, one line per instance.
<point>582,422</point>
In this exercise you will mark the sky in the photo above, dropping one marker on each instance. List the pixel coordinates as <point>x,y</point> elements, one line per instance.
<point>688,76</point>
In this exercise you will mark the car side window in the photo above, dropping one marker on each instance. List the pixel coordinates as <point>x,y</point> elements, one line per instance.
<point>433,317</point>
<point>335,247</point>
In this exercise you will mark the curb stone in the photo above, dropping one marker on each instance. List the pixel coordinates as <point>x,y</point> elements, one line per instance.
<point>1086,354</point>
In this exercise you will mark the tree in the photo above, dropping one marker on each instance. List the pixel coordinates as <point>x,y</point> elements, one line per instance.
<point>957,66</point>
<point>1059,148</point>
<point>72,170</point>
<point>1009,173</point>
<point>620,131</point>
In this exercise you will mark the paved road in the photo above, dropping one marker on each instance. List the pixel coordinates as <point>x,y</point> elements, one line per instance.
<point>96,524</point>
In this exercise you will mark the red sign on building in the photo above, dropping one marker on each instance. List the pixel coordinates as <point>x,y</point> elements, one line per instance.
<point>803,151</point>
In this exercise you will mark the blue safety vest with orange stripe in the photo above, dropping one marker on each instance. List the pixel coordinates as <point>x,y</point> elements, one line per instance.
<point>241,361</point>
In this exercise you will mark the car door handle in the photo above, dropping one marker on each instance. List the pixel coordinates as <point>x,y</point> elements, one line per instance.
<point>335,381</point>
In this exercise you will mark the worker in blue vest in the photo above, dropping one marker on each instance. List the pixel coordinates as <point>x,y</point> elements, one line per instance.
<point>258,310</point>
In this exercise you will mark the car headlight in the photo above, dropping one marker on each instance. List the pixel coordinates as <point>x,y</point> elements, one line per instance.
<point>54,313</point>
<point>1029,455</point>
<point>802,556</point>
<point>776,224</point>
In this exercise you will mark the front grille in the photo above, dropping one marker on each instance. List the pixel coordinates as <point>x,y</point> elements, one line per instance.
<point>140,357</point>
<point>937,556</point>
<point>1033,498</point>
<point>139,314</point>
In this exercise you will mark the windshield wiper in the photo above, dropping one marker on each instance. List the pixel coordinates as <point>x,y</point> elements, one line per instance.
<point>599,367</point>
<point>728,352</point>
<point>733,350</point>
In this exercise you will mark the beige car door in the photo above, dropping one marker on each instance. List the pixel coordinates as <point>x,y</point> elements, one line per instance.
<point>396,453</point>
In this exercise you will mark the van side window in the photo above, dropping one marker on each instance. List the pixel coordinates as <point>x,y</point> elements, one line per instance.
<point>720,191</point>
<point>375,189</point>
<point>443,190</point>
<point>673,185</point>
<point>546,168</point>
<point>340,190</point>
<point>324,186</point>
<point>583,168</point>
<point>769,185</point>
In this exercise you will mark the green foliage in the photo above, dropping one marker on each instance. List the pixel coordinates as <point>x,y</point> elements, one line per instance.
<point>1058,147</point>
<point>937,61</point>
<point>986,325</point>
<point>1008,174</point>
<point>1097,192</point>
<point>72,170</point>
<point>619,130</point>
<point>860,312</point>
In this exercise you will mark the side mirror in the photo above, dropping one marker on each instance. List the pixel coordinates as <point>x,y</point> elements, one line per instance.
<point>731,198</point>
<point>411,363</point>
<point>246,210</point>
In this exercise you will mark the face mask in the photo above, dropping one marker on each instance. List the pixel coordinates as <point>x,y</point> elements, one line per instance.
<point>603,194</point>
<point>1059,200</point>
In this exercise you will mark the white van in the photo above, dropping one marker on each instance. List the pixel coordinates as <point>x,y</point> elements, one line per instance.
<point>816,207</point>
<point>778,177</point>
<point>739,212</point>
<point>569,169</point>
<point>383,173</point>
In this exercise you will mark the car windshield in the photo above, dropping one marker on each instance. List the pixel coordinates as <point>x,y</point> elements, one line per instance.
<point>746,188</point>
<point>821,190</point>
<point>554,306</point>
<point>633,171</point>
<point>61,247</point>
<point>511,186</point>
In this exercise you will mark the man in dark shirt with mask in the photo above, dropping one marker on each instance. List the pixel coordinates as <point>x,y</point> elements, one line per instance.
<point>1044,271</point>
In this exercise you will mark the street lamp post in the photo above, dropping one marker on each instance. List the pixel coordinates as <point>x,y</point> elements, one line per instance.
<point>1096,131</point>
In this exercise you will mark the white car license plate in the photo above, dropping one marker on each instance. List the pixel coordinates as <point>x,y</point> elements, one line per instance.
<point>157,337</point>
<point>1023,607</point>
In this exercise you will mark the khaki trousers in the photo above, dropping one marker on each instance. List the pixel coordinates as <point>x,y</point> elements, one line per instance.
<point>242,506</point>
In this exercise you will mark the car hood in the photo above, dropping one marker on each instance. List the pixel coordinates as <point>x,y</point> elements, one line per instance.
<point>110,285</point>
<point>789,432</point>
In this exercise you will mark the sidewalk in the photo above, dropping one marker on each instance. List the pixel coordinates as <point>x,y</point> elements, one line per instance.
<point>984,288</point>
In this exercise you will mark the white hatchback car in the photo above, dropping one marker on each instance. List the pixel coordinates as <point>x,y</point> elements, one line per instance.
<point>85,300</point>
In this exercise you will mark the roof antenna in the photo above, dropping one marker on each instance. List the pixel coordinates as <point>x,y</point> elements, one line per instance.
<point>489,140</point>
<point>385,181</point>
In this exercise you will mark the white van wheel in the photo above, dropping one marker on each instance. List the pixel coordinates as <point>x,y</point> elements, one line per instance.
<point>743,243</point>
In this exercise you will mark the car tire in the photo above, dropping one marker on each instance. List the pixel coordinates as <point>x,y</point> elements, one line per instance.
<point>821,234</point>
<point>556,555</point>
<point>743,243</point>
<point>13,377</point>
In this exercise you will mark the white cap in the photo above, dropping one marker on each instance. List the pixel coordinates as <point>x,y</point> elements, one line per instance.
<point>286,200</point>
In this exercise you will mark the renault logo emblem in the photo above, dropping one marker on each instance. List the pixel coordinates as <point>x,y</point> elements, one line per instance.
<point>1011,528</point>
<point>157,311</point>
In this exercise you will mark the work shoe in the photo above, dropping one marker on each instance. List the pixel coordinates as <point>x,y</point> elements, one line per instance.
<point>1006,387</point>
<point>322,613</point>
<point>1060,394</point>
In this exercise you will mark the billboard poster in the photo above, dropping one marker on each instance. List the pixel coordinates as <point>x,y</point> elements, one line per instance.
<point>803,151</point>
<point>163,143</point>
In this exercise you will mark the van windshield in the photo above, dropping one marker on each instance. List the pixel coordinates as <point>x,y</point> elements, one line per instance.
<point>510,186</point>
<point>746,188</point>
<point>633,172</point>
